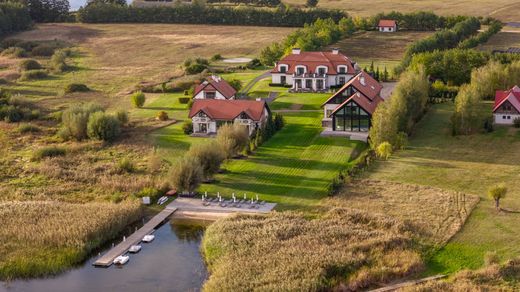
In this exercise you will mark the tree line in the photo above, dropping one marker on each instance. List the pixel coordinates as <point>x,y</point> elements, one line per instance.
<point>202,14</point>
<point>13,17</point>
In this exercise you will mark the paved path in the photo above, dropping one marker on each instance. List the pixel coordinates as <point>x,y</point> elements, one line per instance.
<point>407,283</point>
<point>108,258</point>
<point>192,204</point>
<point>252,83</point>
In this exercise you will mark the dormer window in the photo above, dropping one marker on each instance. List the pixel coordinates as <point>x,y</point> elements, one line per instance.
<point>342,70</point>
<point>322,71</point>
<point>283,69</point>
<point>300,70</point>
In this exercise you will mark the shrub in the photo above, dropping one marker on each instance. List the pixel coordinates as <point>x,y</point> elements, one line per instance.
<point>236,84</point>
<point>125,165</point>
<point>162,116</point>
<point>253,64</point>
<point>34,75</point>
<point>76,87</point>
<point>3,81</point>
<point>384,150</point>
<point>209,156</point>
<point>497,192</point>
<point>138,99</point>
<point>187,174</point>
<point>154,163</point>
<point>75,120</point>
<point>216,57</point>
<point>43,50</point>
<point>20,101</point>
<point>184,100</point>
<point>491,258</point>
<point>11,114</point>
<point>58,62</point>
<point>14,52</point>
<point>28,128</point>
<point>102,126</point>
<point>516,123</point>
<point>30,64</point>
<point>190,103</point>
<point>187,127</point>
<point>49,151</point>
<point>122,116</point>
<point>233,139</point>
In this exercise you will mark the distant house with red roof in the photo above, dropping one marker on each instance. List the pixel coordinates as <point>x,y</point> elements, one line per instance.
<point>208,115</point>
<point>507,106</point>
<point>313,71</point>
<point>214,88</point>
<point>387,25</point>
<point>350,109</point>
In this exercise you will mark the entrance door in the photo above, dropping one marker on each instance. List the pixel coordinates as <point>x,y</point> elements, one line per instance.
<point>203,128</point>
<point>283,80</point>
<point>308,83</point>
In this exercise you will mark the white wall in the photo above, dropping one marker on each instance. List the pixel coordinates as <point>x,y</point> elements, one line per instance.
<point>275,78</point>
<point>499,118</point>
<point>218,95</point>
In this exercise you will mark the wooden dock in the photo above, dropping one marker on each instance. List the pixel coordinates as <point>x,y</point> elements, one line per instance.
<point>107,259</point>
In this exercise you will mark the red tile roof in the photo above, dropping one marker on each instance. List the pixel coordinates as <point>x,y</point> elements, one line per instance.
<point>363,83</point>
<point>215,83</point>
<point>368,105</point>
<point>313,59</point>
<point>387,23</point>
<point>220,109</point>
<point>512,95</point>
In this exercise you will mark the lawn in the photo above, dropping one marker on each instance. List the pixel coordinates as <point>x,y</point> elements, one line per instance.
<point>293,168</point>
<point>469,164</point>
<point>505,10</point>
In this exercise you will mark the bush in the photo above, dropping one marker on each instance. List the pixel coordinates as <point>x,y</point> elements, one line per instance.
<point>30,64</point>
<point>58,62</point>
<point>187,174</point>
<point>384,150</point>
<point>102,126</point>
<point>232,139</point>
<point>34,75</point>
<point>11,114</point>
<point>236,84</point>
<point>216,57</point>
<point>14,52</point>
<point>209,156</point>
<point>253,64</point>
<point>76,87</point>
<point>122,116</point>
<point>138,99</point>
<point>187,127</point>
<point>20,101</point>
<point>162,116</point>
<point>125,165</point>
<point>75,120</point>
<point>28,128</point>
<point>184,100</point>
<point>49,151</point>
<point>43,50</point>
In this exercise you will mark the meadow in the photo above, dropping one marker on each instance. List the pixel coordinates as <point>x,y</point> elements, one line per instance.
<point>502,41</point>
<point>504,10</point>
<point>469,164</point>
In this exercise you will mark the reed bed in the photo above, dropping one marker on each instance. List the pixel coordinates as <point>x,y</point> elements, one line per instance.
<point>344,248</point>
<point>41,238</point>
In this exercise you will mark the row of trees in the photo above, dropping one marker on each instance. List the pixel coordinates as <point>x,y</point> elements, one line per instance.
<point>481,37</point>
<point>441,40</point>
<point>395,118</point>
<point>13,17</point>
<point>199,14</point>
<point>270,3</point>
<point>420,20</point>
<point>469,117</point>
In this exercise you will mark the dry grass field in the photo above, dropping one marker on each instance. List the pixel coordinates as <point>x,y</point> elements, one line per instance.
<point>502,40</point>
<point>505,10</point>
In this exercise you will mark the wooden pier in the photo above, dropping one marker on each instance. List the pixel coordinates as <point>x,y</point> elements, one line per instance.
<point>107,259</point>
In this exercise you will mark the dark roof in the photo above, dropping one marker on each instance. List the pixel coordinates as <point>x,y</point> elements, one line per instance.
<point>512,95</point>
<point>314,59</point>
<point>220,109</point>
<point>363,83</point>
<point>215,83</point>
<point>368,105</point>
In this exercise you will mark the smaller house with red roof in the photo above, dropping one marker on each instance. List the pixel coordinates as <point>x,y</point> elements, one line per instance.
<point>387,25</point>
<point>313,71</point>
<point>208,115</point>
<point>214,88</point>
<point>507,106</point>
<point>350,109</point>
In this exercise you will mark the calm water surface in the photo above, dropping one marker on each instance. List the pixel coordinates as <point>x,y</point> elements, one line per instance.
<point>172,262</point>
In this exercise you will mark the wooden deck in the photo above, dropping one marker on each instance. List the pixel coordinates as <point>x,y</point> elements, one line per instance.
<point>107,259</point>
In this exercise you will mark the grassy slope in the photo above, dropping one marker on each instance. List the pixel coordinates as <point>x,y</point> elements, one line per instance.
<point>469,164</point>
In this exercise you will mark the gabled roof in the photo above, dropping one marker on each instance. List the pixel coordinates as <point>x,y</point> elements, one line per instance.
<point>215,83</point>
<point>363,83</point>
<point>312,60</point>
<point>220,109</point>
<point>512,95</point>
<point>368,105</point>
<point>387,23</point>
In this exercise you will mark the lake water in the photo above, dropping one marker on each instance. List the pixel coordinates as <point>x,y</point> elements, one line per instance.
<point>172,262</point>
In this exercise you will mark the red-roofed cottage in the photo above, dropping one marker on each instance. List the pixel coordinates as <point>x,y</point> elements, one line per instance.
<point>507,106</point>
<point>214,88</point>
<point>387,25</point>
<point>350,109</point>
<point>208,115</point>
<point>313,71</point>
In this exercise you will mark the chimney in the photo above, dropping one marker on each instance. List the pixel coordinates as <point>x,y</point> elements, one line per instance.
<point>335,51</point>
<point>296,51</point>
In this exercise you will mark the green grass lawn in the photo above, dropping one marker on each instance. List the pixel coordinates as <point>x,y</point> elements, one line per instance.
<point>293,168</point>
<point>469,164</point>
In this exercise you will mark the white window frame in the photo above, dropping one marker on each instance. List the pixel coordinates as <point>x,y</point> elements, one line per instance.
<point>300,66</point>
<point>321,66</point>
<point>283,65</point>
<point>342,66</point>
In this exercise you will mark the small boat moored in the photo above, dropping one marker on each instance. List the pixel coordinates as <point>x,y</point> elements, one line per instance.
<point>121,260</point>
<point>148,238</point>
<point>134,249</point>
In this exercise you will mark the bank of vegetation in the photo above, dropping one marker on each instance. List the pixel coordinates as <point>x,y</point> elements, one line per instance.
<point>13,17</point>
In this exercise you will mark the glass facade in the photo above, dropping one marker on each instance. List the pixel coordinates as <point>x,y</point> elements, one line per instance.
<point>351,118</point>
